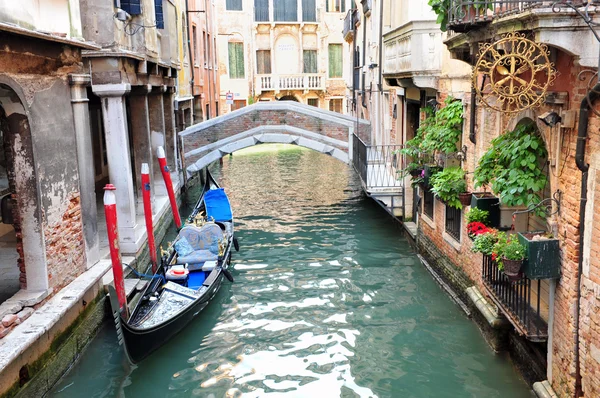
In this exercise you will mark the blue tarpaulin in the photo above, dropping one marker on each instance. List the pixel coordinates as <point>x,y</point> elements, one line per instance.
<point>217,205</point>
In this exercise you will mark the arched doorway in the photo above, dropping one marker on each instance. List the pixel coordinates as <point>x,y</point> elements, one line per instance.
<point>22,253</point>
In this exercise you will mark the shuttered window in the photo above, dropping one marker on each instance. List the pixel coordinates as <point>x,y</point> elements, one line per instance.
<point>263,62</point>
<point>309,11</point>
<point>133,7</point>
<point>233,5</point>
<point>310,61</point>
<point>236,60</point>
<point>261,10</point>
<point>286,10</point>
<point>158,14</point>
<point>335,60</point>
<point>335,105</point>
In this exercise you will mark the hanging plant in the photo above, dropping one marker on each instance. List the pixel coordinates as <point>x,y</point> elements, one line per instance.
<point>448,184</point>
<point>443,129</point>
<point>512,168</point>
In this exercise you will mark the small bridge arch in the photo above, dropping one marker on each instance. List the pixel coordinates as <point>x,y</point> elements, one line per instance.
<point>285,122</point>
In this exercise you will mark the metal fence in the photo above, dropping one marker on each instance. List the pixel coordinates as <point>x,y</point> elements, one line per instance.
<point>463,13</point>
<point>377,165</point>
<point>514,300</point>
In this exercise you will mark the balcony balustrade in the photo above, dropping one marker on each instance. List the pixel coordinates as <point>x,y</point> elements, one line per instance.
<point>466,15</point>
<point>350,24</point>
<point>304,81</point>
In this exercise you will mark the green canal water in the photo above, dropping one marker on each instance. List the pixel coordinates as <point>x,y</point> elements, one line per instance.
<point>328,301</point>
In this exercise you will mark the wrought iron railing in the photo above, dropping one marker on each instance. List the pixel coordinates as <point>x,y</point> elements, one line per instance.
<point>467,14</point>
<point>349,24</point>
<point>377,165</point>
<point>453,221</point>
<point>514,299</point>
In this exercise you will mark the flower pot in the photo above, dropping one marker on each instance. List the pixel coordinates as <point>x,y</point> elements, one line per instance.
<point>543,256</point>
<point>416,172</point>
<point>512,267</point>
<point>465,198</point>
<point>487,201</point>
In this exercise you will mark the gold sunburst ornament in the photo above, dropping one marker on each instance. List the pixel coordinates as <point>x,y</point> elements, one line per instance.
<point>516,73</point>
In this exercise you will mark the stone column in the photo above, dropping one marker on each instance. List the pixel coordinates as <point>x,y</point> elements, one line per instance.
<point>85,163</point>
<point>157,133</point>
<point>140,133</point>
<point>170,131</point>
<point>119,158</point>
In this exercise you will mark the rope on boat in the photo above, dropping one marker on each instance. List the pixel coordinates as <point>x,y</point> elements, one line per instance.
<point>136,273</point>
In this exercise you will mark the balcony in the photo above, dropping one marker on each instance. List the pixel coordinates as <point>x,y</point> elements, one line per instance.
<point>518,300</point>
<point>304,81</point>
<point>467,15</point>
<point>366,6</point>
<point>412,51</point>
<point>350,25</point>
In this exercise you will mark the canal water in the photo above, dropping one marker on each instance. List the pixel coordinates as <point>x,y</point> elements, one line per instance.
<point>328,301</point>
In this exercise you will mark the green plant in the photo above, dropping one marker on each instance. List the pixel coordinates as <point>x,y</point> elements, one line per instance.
<point>509,248</point>
<point>441,8</point>
<point>513,166</point>
<point>484,243</point>
<point>477,215</point>
<point>442,129</point>
<point>447,184</point>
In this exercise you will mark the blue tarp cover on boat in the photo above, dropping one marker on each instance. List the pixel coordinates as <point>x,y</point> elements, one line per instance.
<point>217,205</point>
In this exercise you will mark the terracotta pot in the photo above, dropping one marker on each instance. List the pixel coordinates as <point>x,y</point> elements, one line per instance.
<point>465,198</point>
<point>512,267</point>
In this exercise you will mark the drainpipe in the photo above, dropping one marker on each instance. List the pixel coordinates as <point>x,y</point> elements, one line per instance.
<point>583,167</point>
<point>380,86</point>
<point>472,117</point>
<point>364,74</point>
<point>187,14</point>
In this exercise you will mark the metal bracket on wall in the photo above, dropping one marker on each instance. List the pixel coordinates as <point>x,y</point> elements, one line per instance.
<point>547,204</point>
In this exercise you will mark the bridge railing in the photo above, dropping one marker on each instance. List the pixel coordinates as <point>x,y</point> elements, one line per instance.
<point>303,81</point>
<point>377,165</point>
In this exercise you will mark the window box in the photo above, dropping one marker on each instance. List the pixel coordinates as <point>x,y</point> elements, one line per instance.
<point>487,201</point>
<point>543,256</point>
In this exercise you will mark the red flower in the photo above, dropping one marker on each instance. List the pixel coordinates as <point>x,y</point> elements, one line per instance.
<point>494,256</point>
<point>477,228</point>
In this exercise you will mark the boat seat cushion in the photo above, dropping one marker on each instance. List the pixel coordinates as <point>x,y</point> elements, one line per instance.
<point>197,259</point>
<point>206,237</point>
<point>217,205</point>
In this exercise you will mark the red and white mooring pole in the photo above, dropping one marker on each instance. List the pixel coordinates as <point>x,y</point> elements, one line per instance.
<point>148,215</point>
<point>110,210</point>
<point>164,169</point>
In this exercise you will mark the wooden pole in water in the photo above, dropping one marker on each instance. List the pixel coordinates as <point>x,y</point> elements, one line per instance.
<point>162,161</point>
<point>148,215</point>
<point>110,211</point>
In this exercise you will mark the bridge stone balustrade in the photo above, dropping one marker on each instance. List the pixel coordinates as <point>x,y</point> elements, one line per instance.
<point>285,122</point>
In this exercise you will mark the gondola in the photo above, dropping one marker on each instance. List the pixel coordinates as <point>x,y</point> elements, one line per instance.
<point>188,277</point>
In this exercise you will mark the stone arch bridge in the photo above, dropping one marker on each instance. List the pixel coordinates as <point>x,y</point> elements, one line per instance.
<point>271,122</point>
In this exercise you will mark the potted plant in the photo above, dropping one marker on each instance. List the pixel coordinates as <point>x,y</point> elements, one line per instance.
<point>476,228</point>
<point>543,255</point>
<point>484,243</point>
<point>442,129</point>
<point>448,184</point>
<point>477,215</point>
<point>513,167</point>
<point>509,254</point>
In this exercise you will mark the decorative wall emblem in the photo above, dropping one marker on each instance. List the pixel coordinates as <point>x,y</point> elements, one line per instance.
<point>516,73</point>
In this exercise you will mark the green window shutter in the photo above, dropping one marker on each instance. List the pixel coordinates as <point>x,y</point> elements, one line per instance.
<point>236,60</point>
<point>310,61</point>
<point>335,60</point>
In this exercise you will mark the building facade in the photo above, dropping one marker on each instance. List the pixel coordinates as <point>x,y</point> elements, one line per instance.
<point>546,319</point>
<point>283,50</point>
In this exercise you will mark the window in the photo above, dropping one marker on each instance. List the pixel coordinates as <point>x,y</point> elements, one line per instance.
<point>261,10</point>
<point>238,104</point>
<point>158,14</point>
<point>335,105</point>
<point>428,199</point>
<point>263,62</point>
<point>195,44</point>
<point>233,5</point>
<point>132,7</point>
<point>309,11</point>
<point>236,60</point>
<point>313,102</point>
<point>310,61</point>
<point>335,5</point>
<point>335,60</point>
<point>286,10</point>
<point>453,217</point>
